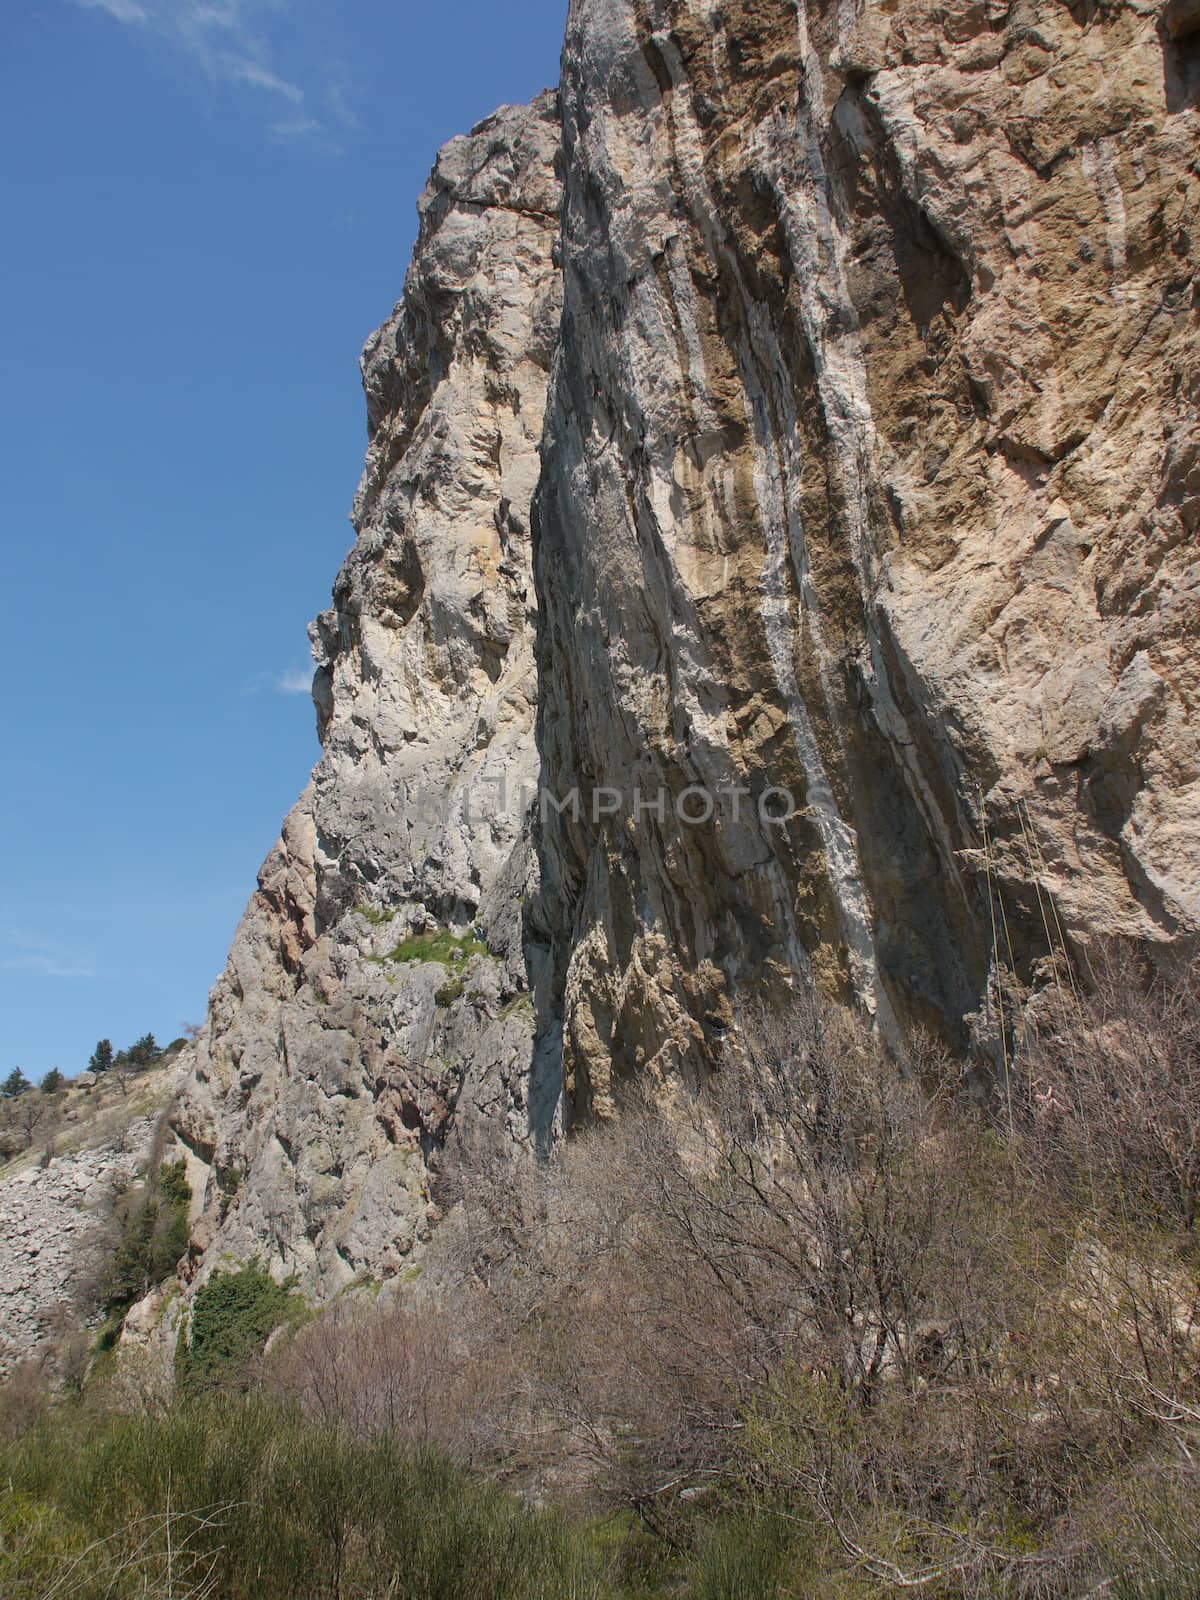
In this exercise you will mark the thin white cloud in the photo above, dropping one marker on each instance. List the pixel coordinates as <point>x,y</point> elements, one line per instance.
<point>121,10</point>
<point>336,97</point>
<point>296,128</point>
<point>263,78</point>
<point>46,967</point>
<point>227,41</point>
<point>44,958</point>
<point>299,682</point>
<point>226,16</point>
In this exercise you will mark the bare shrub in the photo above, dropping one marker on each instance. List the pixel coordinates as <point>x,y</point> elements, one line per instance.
<point>24,1397</point>
<point>1113,1088</point>
<point>33,1111</point>
<point>1111,1144</point>
<point>420,1375</point>
<point>946,1350</point>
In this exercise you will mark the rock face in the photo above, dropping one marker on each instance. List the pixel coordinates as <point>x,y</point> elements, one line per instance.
<point>56,1235</point>
<point>331,1071</point>
<point>860,559</point>
<point>871,471</point>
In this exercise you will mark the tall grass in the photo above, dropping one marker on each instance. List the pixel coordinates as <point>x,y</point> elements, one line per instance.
<point>231,1497</point>
<point>238,1499</point>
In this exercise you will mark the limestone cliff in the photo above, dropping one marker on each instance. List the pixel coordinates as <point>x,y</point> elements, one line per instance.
<point>864,374</point>
<point>372,998</point>
<point>871,471</point>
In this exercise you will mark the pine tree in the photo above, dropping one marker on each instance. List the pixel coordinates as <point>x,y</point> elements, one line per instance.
<point>53,1082</point>
<point>102,1057</point>
<point>143,1053</point>
<point>15,1084</point>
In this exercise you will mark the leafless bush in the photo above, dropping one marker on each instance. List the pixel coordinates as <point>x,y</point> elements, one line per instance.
<point>942,1346</point>
<point>424,1375</point>
<point>33,1111</point>
<point>24,1396</point>
<point>1111,1144</point>
<point>829,1202</point>
<point>1113,1088</point>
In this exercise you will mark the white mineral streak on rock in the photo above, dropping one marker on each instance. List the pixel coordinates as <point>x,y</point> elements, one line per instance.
<point>836,838</point>
<point>1098,165</point>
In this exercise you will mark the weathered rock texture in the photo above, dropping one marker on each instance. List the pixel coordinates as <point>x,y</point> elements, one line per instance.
<point>330,1076</point>
<point>870,471</point>
<point>58,1204</point>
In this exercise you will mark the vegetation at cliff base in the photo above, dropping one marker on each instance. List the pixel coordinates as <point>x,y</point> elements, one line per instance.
<point>233,1316</point>
<point>246,1500</point>
<point>848,1324</point>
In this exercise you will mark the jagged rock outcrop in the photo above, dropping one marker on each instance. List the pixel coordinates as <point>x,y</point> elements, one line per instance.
<point>863,534</point>
<point>871,471</point>
<point>372,1009</point>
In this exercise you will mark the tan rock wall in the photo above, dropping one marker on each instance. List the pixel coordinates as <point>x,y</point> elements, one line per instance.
<point>870,470</point>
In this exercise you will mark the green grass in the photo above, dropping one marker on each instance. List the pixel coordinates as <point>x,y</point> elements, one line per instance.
<point>445,947</point>
<point>375,917</point>
<point>255,1502</point>
<point>746,1557</point>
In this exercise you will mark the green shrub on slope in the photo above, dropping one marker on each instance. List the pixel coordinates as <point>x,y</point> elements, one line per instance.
<point>233,1316</point>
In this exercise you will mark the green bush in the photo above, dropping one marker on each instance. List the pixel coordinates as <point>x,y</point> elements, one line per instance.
<point>233,1316</point>
<point>154,1235</point>
<point>447,993</point>
<point>229,1180</point>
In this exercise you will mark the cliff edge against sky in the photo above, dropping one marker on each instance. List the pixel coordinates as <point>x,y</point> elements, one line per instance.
<point>803,399</point>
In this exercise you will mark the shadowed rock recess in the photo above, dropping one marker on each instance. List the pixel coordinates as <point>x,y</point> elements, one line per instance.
<point>802,398</point>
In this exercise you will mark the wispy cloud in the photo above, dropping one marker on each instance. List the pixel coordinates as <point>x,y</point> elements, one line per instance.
<point>43,958</point>
<point>301,127</point>
<point>298,682</point>
<point>260,77</point>
<point>229,42</point>
<point>122,10</point>
<point>337,95</point>
<point>295,680</point>
<point>46,967</point>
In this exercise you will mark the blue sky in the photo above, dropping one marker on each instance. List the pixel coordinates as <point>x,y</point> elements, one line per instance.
<point>207,205</point>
